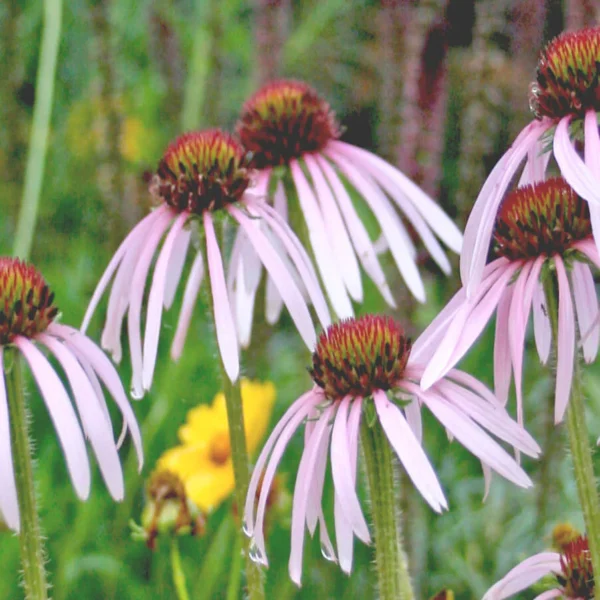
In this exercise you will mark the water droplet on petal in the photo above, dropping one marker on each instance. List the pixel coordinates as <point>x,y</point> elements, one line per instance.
<point>135,393</point>
<point>246,528</point>
<point>327,552</point>
<point>256,555</point>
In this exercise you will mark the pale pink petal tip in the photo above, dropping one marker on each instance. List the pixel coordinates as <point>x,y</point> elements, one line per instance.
<point>524,575</point>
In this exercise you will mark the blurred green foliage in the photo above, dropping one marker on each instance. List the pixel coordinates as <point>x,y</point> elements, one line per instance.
<point>130,77</point>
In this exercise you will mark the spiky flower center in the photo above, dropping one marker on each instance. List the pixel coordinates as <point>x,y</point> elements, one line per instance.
<point>285,120</point>
<point>358,356</point>
<point>567,75</point>
<point>26,303</point>
<point>203,170</point>
<point>577,578</point>
<point>541,219</point>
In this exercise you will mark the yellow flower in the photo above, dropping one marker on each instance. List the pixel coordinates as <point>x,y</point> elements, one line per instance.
<point>203,460</point>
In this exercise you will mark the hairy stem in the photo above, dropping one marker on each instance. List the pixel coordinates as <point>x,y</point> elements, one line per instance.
<point>581,453</point>
<point>241,471</point>
<point>30,535</point>
<point>393,578</point>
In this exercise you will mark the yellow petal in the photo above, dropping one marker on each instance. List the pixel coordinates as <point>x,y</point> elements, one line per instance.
<point>209,488</point>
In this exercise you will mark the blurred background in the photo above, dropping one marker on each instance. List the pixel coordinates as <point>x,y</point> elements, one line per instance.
<point>437,87</point>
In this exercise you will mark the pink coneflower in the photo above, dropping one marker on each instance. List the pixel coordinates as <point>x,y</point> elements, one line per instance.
<point>565,99</point>
<point>572,568</point>
<point>542,230</point>
<point>364,367</point>
<point>292,135</point>
<point>27,314</point>
<point>202,181</point>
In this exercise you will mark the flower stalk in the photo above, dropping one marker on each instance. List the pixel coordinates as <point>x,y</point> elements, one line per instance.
<point>30,536</point>
<point>393,579</point>
<point>241,468</point>
<point>40,128</point>
<point>584,472</point>
<point>241,472</point>
<point>581,452</point>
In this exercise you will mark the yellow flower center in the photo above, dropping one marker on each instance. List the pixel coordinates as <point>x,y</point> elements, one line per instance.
<point>220,449</point>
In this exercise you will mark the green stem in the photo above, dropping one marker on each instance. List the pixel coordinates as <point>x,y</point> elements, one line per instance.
<point>241,472</point>
<point>233,587</point>
<point>584,471</point>
<point>581,451</point>
<point>177,570</point>
<point>38,139</point>
<point>390,560</point>
<point>30,536</point>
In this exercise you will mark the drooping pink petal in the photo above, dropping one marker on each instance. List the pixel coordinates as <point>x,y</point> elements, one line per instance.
<point>270,456</point>
<point>536,164</point>
<point>243,301</point>
<point>324,256</point>
<point>468,324</point>
<point>418,222</point>
<point>566,342</point>
<point>517,323</point>
<point>273,299</point>
<point>336,230</point>
<point>344,534</point>
<point>492,417</point>
<point>192,287</point>
<point>132,240</point>
<point>341,471</point>
<point>156,300</point>
<point>314,507</point>
<point>436,218</point>
<point>578,175</point>
<point>92,417</point>
<point>592,161</point>
<point>586,306</point>
<point>360,238</point>
<point>401,246</point>
<point>502,362</point>
<point>471,436</point>
<point>541,323</point>
<point>118,301</point>
<point>138,284</point>
<point>288,289</point>
<point>409,451</point>
<point>224,324</point>
<point>478,231</point>
<point>588,247</point>
<point>524,575</point>
<point>301,491</point>
<point>412,412</point>
<point>298,257</point>
<point>428,342</point>
<point>9,504</point>
<point>88,352</point>
<point>62,415</point>
<point>468,381</point>
<point>175,270</point>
